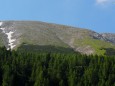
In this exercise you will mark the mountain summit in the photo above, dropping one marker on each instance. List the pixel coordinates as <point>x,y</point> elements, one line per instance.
<point>14,34</point>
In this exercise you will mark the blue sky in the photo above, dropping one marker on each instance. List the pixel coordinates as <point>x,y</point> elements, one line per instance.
<point>97,15</point>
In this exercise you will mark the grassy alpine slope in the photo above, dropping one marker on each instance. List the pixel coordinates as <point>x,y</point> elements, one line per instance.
<point>47,34</point>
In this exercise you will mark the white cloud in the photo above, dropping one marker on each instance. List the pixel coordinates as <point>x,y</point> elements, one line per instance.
<point>102,1</point>
<point>105,2</point>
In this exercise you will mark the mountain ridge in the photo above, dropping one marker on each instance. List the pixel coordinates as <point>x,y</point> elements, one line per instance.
<point>42,33</point>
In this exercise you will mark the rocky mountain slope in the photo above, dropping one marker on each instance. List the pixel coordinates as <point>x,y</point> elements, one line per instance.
<point>14,34</point>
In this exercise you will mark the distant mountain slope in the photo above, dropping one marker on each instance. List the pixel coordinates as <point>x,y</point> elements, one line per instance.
<point>109,37</point>
<point>46,34</point>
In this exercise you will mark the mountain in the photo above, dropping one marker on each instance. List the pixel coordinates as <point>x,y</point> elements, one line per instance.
<point>32,35</point>
<point>109,37</point>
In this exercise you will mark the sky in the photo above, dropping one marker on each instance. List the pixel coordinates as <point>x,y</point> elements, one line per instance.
<point>97,15</point>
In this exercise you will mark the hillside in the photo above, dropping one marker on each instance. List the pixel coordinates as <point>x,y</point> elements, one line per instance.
<point>20,34</point>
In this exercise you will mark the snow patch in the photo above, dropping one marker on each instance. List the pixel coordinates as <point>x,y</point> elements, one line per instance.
<point>1,23</point>
<point>9,36</point>
<point>11,44</point>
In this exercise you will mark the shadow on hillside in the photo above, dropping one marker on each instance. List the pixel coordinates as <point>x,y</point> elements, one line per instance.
<point>109,51</point>
<point>44,48</point>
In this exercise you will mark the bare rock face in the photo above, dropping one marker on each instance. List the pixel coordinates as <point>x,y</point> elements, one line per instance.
<point>85,50</point>
<point>98,36</point>
<point>109,37</point>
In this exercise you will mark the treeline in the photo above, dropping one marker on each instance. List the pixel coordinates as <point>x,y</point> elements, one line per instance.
<point>55,69</point>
